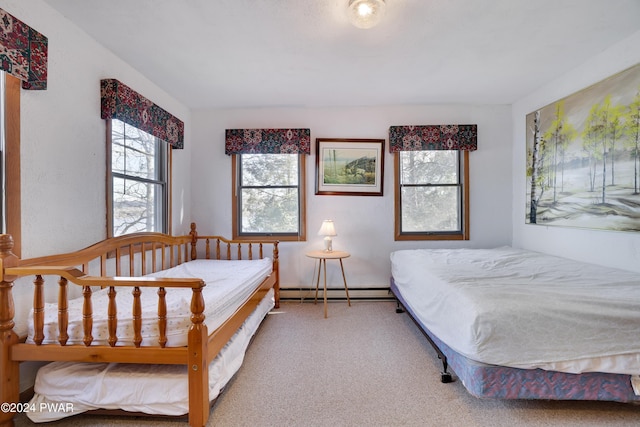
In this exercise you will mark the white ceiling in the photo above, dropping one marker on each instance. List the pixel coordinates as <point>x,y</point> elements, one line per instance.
<point>296,53</point>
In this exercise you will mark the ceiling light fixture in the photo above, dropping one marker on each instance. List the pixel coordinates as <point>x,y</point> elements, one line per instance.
<point>366,13</point>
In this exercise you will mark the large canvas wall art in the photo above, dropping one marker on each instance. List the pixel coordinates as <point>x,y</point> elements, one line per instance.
<point>583,159</point>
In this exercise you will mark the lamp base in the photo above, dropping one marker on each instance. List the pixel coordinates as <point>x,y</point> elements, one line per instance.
<point>328,244</point>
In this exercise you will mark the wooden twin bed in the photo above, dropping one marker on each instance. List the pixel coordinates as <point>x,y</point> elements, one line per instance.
<point>137,291</point>
<point>517,324</point>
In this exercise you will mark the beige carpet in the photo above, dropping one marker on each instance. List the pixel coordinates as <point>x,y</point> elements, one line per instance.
<point>363,366</point>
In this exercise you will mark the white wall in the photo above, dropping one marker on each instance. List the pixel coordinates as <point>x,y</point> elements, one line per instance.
<point>63,144</point>
<point>364,223</point>
<point>63,138</point>
<point>615,249</point>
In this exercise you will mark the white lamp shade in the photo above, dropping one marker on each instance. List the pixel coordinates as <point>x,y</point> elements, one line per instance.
<point>366,13</point>
<point>327,228</point>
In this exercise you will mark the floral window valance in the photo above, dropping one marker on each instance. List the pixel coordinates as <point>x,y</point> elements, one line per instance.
<point>433,137</point>
<point>267,141</point>
<point>121,102</point>
<point>23,52</point>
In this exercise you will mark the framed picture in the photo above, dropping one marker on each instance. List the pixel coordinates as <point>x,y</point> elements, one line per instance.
<point>349,167</point>
<point>583,158</point>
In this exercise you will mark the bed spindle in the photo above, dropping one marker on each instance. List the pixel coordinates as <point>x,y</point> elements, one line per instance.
<point>240,250</point>
<point>179,250</point>
<point>261,255</point>
<point>103,265</point>
<point>38,309</point>
<point>207,246</point>
<point>217,248</point>
<point>118,262</point>
<point>154,258</point>
<point>112,318</point>
<point>228,251</point>
<point>63,312</point>
<point>87,316</point>
<point>137,317</point>
<point>143,260</point>
<point>132,263</point>
<point>163,256</point>
<point>162,317</point>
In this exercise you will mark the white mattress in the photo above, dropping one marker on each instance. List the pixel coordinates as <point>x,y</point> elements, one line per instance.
<point>229,284</point>
<point>525,309</point>
<point>151,389</point>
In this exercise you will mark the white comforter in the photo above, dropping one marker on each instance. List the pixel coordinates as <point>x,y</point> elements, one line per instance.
<point>525,309</point>
<point>229,283</point>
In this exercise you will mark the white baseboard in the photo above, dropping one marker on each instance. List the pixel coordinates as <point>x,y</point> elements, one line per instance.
<point>309,294</point>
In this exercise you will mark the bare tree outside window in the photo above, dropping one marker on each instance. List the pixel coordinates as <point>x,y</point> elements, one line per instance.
<point>139,180</point>
<point>430,191</point>
<point>270,196</point>
<point>431,195</point>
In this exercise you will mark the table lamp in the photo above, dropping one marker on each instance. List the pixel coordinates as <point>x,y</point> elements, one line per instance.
<point>327,230</point>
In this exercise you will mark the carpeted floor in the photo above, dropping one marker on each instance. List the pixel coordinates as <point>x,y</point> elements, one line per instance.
<point>363,366</point>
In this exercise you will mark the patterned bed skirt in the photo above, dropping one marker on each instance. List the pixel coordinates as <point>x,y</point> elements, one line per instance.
<point>500,382</point>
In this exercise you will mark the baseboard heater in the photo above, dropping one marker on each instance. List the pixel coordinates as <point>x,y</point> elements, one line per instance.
<point>337,293</point>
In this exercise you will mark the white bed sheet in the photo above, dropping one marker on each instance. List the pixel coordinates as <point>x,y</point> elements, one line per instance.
<point>525,309</point>
<point>151,389</point>
<point>229,284</point>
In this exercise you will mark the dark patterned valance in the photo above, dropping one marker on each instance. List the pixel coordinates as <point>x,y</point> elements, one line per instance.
<point>121,102</point>
<point>267,141</point>
<point>433,137</point>
<point>23,52</point>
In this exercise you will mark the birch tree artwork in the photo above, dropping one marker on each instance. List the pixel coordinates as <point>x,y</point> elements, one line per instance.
<point>583,159</point>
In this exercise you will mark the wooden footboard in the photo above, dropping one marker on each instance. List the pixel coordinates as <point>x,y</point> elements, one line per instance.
<point>117,264</point>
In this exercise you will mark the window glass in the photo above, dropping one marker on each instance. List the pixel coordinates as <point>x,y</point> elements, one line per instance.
<point>269,199</point>
<point>429,167</point>
<point>139,189</point>
<point>430,195</point>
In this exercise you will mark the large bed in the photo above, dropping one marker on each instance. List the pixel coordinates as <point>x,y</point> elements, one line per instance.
<point>160,323</point>
<point>518,324</point>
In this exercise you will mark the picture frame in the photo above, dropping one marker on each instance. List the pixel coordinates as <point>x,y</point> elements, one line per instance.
<point>349,167</point>
<point>583,158</point>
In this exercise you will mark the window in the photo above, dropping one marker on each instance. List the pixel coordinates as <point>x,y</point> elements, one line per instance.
<point>10,158</point>
<point>269,196</point>
<point>138,182</point>
<point>432,195</point>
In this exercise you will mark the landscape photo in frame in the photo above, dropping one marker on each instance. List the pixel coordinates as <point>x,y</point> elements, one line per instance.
<point>349,167</point>
<point>583,163</point>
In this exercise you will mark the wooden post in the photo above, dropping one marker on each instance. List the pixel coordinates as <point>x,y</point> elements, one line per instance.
<point>63,311</point>
<point>162,317</point>
<point>38,309</point>
<point>87,316</point>
<point>9,369</point>
<point>194,241</point>
<point>112,316</point>
<point>197,363</point>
